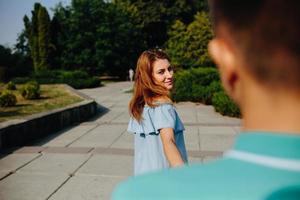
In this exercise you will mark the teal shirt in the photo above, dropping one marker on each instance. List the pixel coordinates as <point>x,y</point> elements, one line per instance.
<point>260,166</point>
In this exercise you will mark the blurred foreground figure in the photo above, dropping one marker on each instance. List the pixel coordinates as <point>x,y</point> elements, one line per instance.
<point>257,50</point>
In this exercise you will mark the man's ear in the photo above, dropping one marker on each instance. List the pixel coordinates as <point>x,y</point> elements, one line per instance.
<point>226,61</point>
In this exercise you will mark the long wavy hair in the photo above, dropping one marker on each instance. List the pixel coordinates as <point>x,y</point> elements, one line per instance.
<point>145,89</point>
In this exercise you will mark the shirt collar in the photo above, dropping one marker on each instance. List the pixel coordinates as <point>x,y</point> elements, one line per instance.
<point>273,144</point>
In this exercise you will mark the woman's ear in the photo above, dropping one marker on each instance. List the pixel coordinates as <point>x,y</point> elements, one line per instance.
<point>226,61</point>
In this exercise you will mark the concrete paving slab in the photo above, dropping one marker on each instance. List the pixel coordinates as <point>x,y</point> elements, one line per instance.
<point>122,108</point>
<point>193,160</point>
<point>233,121</point>
<point>69,150</point>
<point>65,138</point>
<point>122,101</point>
<point>30,149</point>
<point>108,165</point>
<point>55,164</point>
<point>217,130</point>
<point>102,136</point>
<point>191,138</point>
<point>107,103</point>
<point>111,102</point>
<point>109,116</point>
<point>115,151</point>
<point>186,113</point>
<point>94,91</point>
<point>201,154</point>
<point>123,104</point>
<point>215,142</point>
<point>207,159</point>
<point>3,174</point>
<point>126,141</point>
<point>237,129</point>
<point>122,118</point>
<point>12,162</point>
<point>29,186</point>
<point>84,187</point>
<point>211,120</point>
<point>207,115</point>
<point>202,160</point>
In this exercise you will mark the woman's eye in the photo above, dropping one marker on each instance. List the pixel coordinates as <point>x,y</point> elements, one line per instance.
<point>161,72</point>
<point>170,69</point>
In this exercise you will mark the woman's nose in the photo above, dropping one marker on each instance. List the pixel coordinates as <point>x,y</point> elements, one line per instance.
<point>169,74</point>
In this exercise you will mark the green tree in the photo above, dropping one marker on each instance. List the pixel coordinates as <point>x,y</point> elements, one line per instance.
<point>187,46</point>
<point>5,54</point>
<point>32,34</point>
<point>156,17</point>
<point>60,34</point>
<point>97,37</point>
<point>176,45</point>
<point>37,31</point>
<point>44,39</point>
<point>22,45</point>
<point>13,64</point>
<point>5,61</point>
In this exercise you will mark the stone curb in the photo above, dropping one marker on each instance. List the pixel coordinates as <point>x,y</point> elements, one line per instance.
<point>19,132</point>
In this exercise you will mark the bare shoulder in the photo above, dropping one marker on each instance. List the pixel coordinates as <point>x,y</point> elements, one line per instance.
<point>162,100</point>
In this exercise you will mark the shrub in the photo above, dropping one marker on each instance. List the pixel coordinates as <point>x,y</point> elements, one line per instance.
<point>31,90</point>
<point>198,93</point>
<point>195,84</point>
<point>46,76</point>
<point>203,85</point>
<point>224,105</point>
<point>11,85</point>
<point>7,98</point>
<point>77,79</point>
<point>22,80</point>
<point>213,88</point>
<point>182,87</point>
<point>80,74</point>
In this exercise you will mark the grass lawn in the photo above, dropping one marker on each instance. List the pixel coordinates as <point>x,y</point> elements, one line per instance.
<point>52,97</point>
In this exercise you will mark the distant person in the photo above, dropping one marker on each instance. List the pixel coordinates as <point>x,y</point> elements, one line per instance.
<point>131,74</point>
<point>158,140</point>
<point>257,50</point>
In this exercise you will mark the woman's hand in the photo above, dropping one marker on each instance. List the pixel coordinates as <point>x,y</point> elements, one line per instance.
<point>171,151</point>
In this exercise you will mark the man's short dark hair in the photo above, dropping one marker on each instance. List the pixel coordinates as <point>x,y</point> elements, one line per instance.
<point>267,32</point>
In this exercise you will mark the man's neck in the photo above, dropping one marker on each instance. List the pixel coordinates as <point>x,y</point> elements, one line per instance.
<point>277,111</point>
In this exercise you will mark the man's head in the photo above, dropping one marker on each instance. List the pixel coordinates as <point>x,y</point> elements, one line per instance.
<point>259,39</point>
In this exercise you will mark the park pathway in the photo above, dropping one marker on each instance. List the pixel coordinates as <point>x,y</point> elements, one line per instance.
<point>86,161</point>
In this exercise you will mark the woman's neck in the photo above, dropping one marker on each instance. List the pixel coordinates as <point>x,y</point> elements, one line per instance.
<point>161,99</point>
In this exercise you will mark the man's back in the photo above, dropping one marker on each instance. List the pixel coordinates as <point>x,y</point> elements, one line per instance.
<point>259,165</point>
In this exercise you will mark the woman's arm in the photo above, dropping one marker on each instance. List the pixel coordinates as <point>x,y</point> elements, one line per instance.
<point>170,148</point>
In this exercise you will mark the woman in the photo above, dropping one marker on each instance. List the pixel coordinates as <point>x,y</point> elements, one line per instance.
<point>159,140</point>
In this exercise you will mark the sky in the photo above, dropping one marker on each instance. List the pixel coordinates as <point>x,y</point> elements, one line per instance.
<point>12,13</point>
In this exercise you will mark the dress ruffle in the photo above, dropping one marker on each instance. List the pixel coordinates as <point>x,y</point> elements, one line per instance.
<point>154,119</point>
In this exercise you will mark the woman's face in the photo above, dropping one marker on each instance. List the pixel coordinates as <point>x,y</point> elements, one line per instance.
<point>163,73</point>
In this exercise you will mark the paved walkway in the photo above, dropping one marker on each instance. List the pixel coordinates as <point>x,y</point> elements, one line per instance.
<point>86,161</point>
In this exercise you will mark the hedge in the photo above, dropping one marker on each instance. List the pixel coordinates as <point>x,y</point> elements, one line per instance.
<point>195,84</point>
<point>203,85</point>
<point>76,79</point>
<point>224,105</point>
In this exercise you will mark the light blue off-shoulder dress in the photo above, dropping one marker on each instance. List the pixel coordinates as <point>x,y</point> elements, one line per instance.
<point>148,149</point>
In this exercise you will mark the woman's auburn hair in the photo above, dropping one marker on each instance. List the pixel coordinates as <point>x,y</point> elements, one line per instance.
<point>145,89</point>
